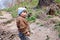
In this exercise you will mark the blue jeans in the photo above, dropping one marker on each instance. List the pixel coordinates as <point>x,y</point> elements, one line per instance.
<point>23,37</point>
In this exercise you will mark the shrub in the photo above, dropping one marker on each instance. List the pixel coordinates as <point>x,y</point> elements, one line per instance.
<point>58,1</point>
<point>57,27</point>
<point>57,12</point>
<point>31,19</point>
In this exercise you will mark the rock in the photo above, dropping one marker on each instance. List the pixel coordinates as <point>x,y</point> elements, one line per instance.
<point>42,16</point>
<point>50,10</point>
<point>51,21</point>
<point>58,4</point>
<point>8,29</point>
<point>6,16</point>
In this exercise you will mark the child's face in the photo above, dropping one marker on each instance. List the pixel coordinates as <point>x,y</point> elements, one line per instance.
<point>24,14</point>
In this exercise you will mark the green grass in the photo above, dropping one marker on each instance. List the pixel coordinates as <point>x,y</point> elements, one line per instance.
<point>31,19</point>
<point>49,16</point>
<point>14,14</point>
<point>57,27</point>
<point>58,1</point>
<point>13,9</point>
<point>57,12</point>
<point>59,35</point>
<point>29,6</point>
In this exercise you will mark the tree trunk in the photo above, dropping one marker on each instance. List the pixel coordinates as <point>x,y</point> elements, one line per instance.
<point>44,3</point>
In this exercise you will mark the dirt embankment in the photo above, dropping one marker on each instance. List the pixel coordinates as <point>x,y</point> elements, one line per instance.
<point>40,30</point>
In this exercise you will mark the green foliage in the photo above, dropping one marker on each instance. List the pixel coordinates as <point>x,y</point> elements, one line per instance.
<point>41,25</point>
<point>57,12</point>
<point>14,14</point>
<point>31,19</point>
<point>58,1</point>
<point>57,27</point>
<point>59,35</point>
<point>49,16</point>
<point>13,9</point>
<point>29,5</point>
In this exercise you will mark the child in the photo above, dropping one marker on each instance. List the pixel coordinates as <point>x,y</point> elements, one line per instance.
<point>22,24</point>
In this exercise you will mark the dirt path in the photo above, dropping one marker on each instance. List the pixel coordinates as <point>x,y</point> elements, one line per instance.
<point>5,17</point>
<point>38,32</point>
<point>41,33</point>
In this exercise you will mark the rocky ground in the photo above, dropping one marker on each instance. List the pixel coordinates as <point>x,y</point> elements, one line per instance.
<point>8,29</point>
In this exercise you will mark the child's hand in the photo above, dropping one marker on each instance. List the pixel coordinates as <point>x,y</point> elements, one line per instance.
<point>28,34</point>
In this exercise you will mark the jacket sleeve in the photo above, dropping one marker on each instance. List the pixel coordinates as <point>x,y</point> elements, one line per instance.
<point>24,26</point>
<point>27,24</point>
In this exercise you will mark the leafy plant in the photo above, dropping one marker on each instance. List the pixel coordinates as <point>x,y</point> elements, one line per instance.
<point>57,27</point>
<point>31,19</point>
<point>49,16</point>
<point>14,14</point>
<point>58,1</point>
<point>57,12</point>
<point>13,9</point>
